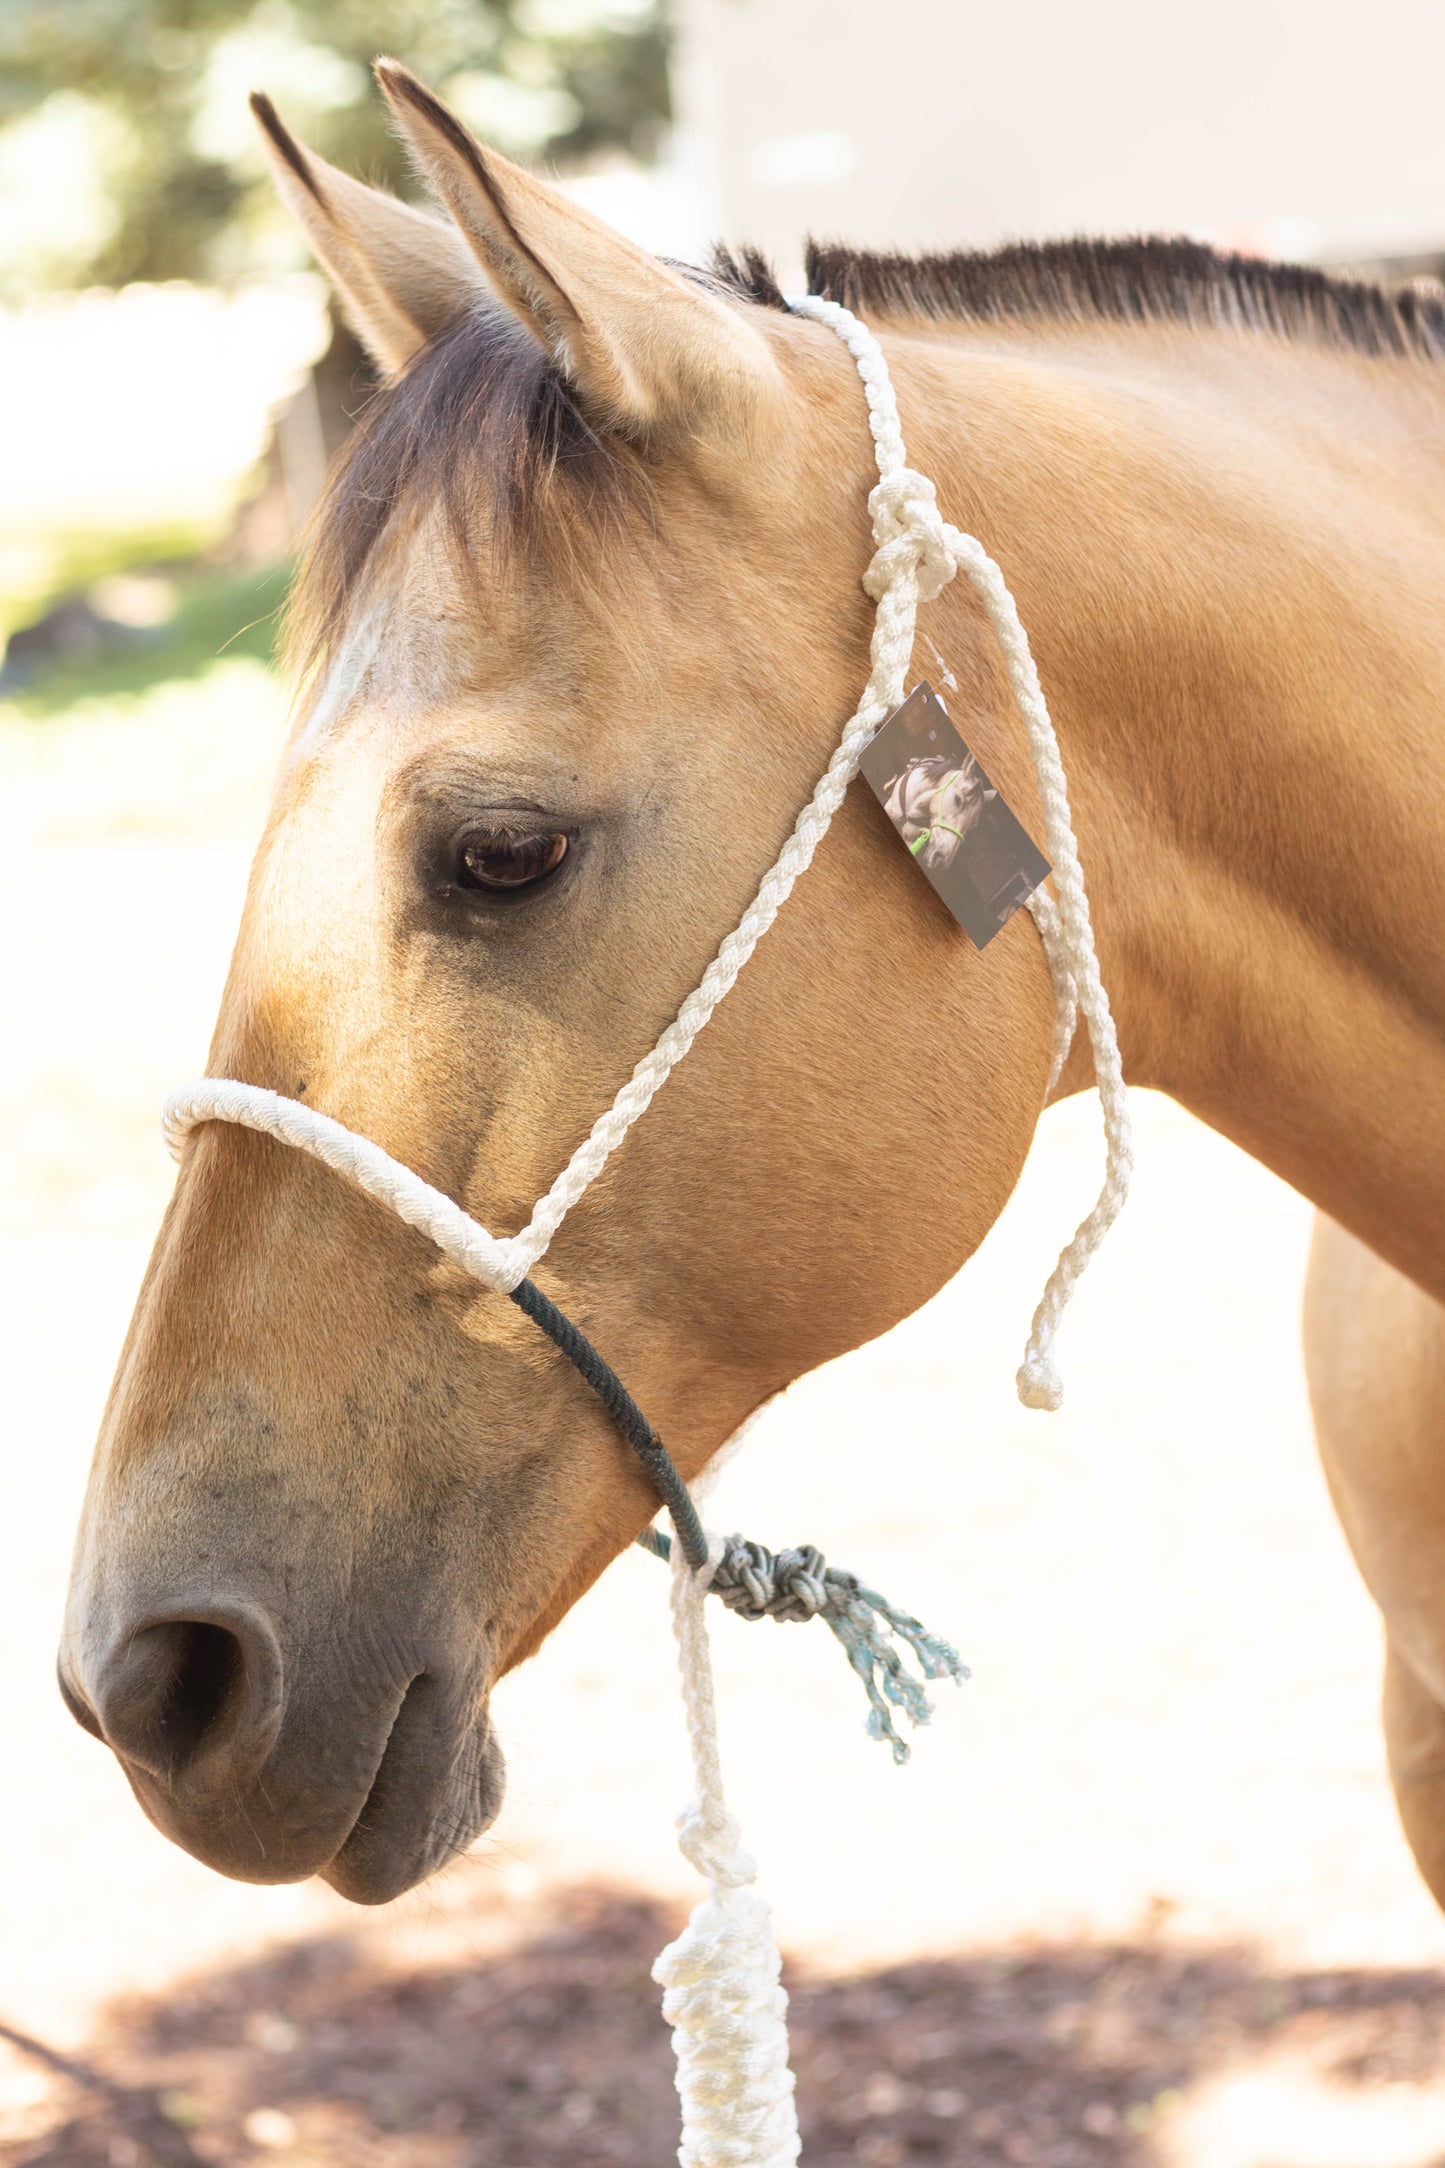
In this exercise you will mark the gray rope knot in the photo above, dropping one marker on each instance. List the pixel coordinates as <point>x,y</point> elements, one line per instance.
<point>799,1585</point>
<point>759,1583</point>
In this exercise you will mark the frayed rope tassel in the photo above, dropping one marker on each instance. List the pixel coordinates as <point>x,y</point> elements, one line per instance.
<point>757,1583</point>
<point>723,1996</point>
<point>784,1585</point>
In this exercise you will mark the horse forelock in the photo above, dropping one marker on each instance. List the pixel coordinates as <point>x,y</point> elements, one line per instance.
<point>481,433</point>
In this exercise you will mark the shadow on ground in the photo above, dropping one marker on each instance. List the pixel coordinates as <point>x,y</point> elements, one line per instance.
<point>543,2046</point>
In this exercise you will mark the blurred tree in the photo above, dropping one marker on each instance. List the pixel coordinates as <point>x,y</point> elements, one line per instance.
<point>148,96</point>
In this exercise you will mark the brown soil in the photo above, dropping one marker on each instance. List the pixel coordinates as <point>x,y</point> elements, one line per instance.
<point>550,2051</point>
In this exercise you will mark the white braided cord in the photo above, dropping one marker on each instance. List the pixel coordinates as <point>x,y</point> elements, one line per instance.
<point>1069,939</point>
<point>918,553</point>
<point>722,1991</point>
<point>1066,995</point>
<point>492,1259</point>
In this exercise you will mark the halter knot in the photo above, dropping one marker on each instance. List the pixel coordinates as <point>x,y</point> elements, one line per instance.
<point>911,533</point>
<point>759,1583</point>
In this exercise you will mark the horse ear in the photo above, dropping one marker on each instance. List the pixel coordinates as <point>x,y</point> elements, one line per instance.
<point>645,350</point>
<point>401,274</point>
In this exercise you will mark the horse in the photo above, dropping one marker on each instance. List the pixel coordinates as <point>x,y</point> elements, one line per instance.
<point>934,803</point>
<point>579,620</point>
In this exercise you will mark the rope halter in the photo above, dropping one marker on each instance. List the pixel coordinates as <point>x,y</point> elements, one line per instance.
<point>723,1994</point>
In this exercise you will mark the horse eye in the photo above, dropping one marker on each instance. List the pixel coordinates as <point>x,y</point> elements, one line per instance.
<point>507,857</point>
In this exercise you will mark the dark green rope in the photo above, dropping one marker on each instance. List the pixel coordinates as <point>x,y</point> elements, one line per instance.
<point>625,1413</point>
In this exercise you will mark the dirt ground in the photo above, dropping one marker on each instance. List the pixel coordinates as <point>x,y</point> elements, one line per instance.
<point>544,2051</point>
<point>1139,1898</point>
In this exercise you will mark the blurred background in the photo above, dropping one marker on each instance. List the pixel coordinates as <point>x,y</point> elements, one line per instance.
<point>1140,1897</point>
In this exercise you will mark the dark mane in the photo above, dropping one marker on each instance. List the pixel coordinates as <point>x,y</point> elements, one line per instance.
<point>483,425</point>
<point>1156,281</point>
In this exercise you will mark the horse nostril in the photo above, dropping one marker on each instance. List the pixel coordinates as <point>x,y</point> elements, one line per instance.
<point>209,1669</point>
<point>178,1691</point>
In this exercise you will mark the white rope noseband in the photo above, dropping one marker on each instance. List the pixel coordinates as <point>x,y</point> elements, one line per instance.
<point>721,1976</point>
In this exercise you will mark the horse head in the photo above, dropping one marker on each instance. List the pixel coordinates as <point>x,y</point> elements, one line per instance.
<point>954,807</point>
<point>531,781</point>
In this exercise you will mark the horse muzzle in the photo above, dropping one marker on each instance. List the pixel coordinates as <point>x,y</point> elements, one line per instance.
<point>369,1769</point>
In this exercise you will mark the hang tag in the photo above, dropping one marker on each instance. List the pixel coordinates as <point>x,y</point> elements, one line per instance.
<point>956,826</point>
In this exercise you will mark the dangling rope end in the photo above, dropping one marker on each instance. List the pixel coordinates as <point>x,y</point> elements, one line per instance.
<point>869,1627</point>
<point>723,1994</point>
<point>1039,1383</point>
<point>881,1729</point>
<point>799,1584</point>
<point>724,1998</point>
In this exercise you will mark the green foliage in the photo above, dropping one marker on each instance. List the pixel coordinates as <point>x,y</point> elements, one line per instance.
<point>165,80</point>
<point>219,615</point>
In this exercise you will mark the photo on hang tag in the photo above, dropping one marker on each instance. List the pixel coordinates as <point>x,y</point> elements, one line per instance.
<point>957,828</point>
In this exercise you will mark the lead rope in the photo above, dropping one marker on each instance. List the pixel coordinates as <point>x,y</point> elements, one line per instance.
<point>721,1979</point>
<point>723,1993</point>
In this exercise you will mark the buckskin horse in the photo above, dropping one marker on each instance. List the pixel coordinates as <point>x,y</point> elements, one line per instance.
<point>577,626</point>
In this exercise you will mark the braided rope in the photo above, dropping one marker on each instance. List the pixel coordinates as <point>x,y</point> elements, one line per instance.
<point>918,553</point>
<point>722,1994</point>
<point>625,1413</point>
<point>492,1259</point>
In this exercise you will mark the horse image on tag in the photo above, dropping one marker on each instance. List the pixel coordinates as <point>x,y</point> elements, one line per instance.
<point>956,826</point>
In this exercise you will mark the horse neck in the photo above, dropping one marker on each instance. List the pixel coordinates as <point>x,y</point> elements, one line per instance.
<point>1230,554</point>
